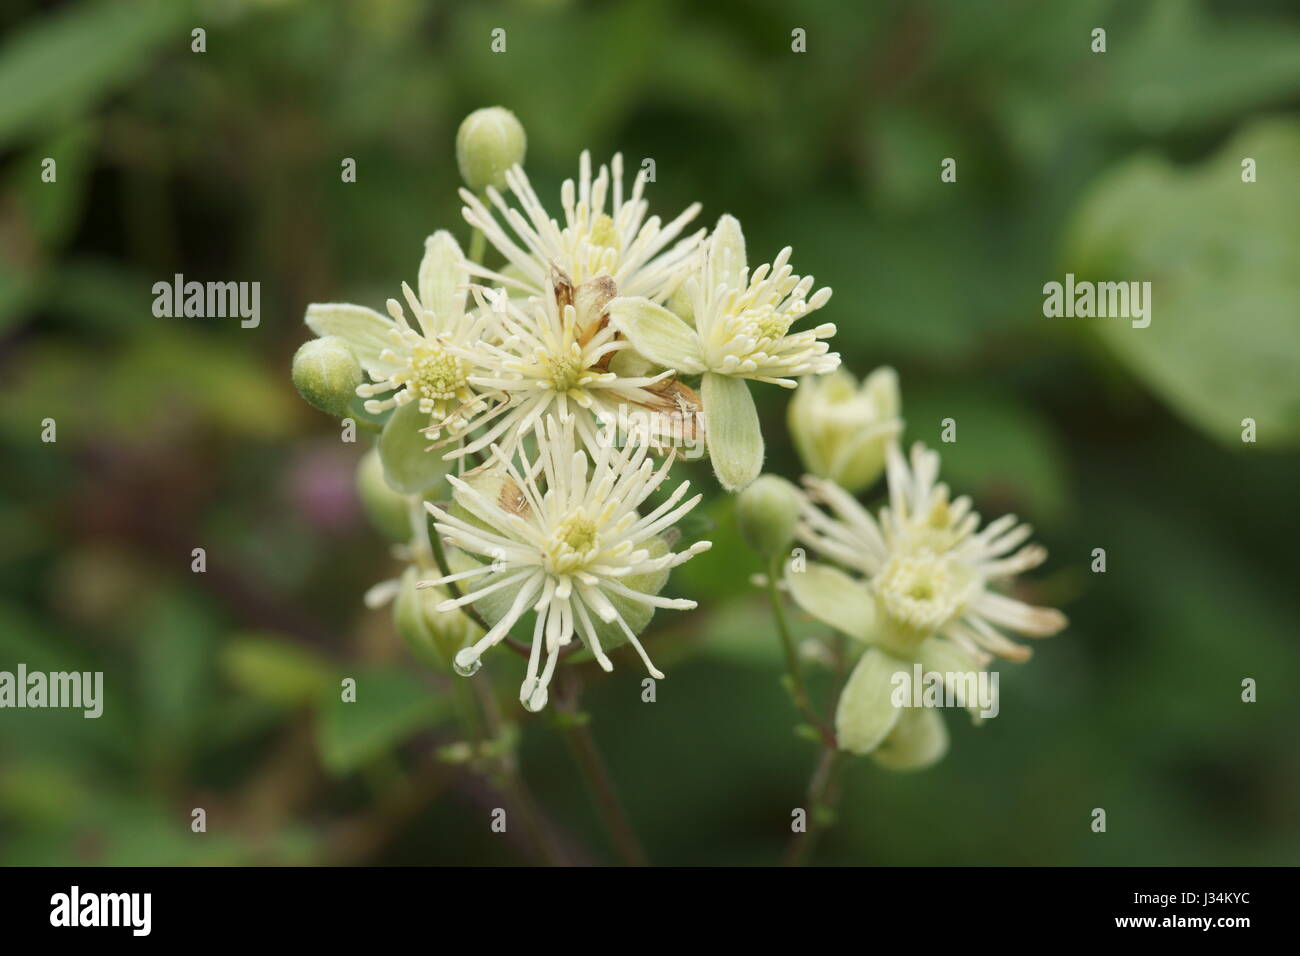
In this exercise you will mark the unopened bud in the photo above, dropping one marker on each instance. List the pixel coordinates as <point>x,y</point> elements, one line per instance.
<point>386,509</point>
<point>434,636</point>
<point>327,374</point>
<point>766,512</point>
<point>841,430</point>
<point>489,142</point>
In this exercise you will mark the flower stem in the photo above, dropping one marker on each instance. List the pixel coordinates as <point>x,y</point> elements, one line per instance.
<point>794,674</point>
<point>511,780</point>
<point>823,794</point>
<point>453,587</point>
<point>477,240</point>
<point>600,785</point>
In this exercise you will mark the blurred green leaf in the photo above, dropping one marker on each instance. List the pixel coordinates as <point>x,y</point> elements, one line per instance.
<point>223,383</point>
<point>271,668</point>
<point>63,63</point>
<point>176,648</point>
<point>390,705</point>
<point>1223,344</point>
<point>1183,68</point>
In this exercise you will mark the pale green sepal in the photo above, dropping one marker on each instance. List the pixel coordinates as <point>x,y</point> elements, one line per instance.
<point>364,330</point>
<point>657,334</point>
<point>733,432</point>
<point>919,740</point>
<point>866,713</point>
<point>727,262</point>
<point>443,279</point>
<point>408,466</point>
<point>834,598</point>
<point>944,657</point>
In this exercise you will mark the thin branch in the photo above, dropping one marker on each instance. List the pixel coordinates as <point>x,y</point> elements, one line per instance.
<point>793,671</point>
<point>595,774</point>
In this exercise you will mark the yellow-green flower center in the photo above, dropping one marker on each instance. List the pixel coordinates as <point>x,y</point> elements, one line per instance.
<point>573,544</point>
<point>604,234</point>
<point>564,372</point>
<point>436,374</point>
<point>920,592</point>
<point>765,325</point>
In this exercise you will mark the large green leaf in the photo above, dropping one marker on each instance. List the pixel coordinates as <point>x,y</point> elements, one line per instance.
<point>1220,254</point>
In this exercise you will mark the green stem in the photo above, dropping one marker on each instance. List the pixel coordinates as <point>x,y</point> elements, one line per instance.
<point>596,775</point>
<point>477,240</point>
<point>453,587</point>
<point>823,794</point>
<point>794,673</point>
<point>511,780</point>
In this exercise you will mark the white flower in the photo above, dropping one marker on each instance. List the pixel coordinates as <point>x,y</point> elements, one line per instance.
<point>742,320</point>
<point>620,243</point>
<point>572,547</point>
<point>414,362</point>
<point>553,357</point>
<point>929,570</point>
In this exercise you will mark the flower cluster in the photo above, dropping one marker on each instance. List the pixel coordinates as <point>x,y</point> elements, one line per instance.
<point>502,382</point>
<point>533,401</point>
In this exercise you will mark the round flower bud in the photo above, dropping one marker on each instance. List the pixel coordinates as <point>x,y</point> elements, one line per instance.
<point>841,430</point>
<point>489,142</point>
<point>327,374</point>
<point>766,512</point>
<point>434,636</point>
<point>386,509</point>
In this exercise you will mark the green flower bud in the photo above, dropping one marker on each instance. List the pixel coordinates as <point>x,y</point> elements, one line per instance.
<point>840,430</point>
<point>434,636</point>
<point>327,374</point>
<point>489,142</point>
<point>386,509</point>
<point>767,511</point>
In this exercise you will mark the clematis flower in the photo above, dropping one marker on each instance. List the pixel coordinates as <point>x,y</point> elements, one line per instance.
<point>620,243</point>
<point>554,357</point>
<point>742,329</point>
<point>922,586</point>
<point>565,539</point>
<point>414,362</point>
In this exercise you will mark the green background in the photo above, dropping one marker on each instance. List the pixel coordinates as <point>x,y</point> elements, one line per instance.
<point>183,433</point>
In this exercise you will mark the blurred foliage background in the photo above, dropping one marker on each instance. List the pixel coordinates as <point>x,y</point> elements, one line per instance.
<point>183,433</point>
